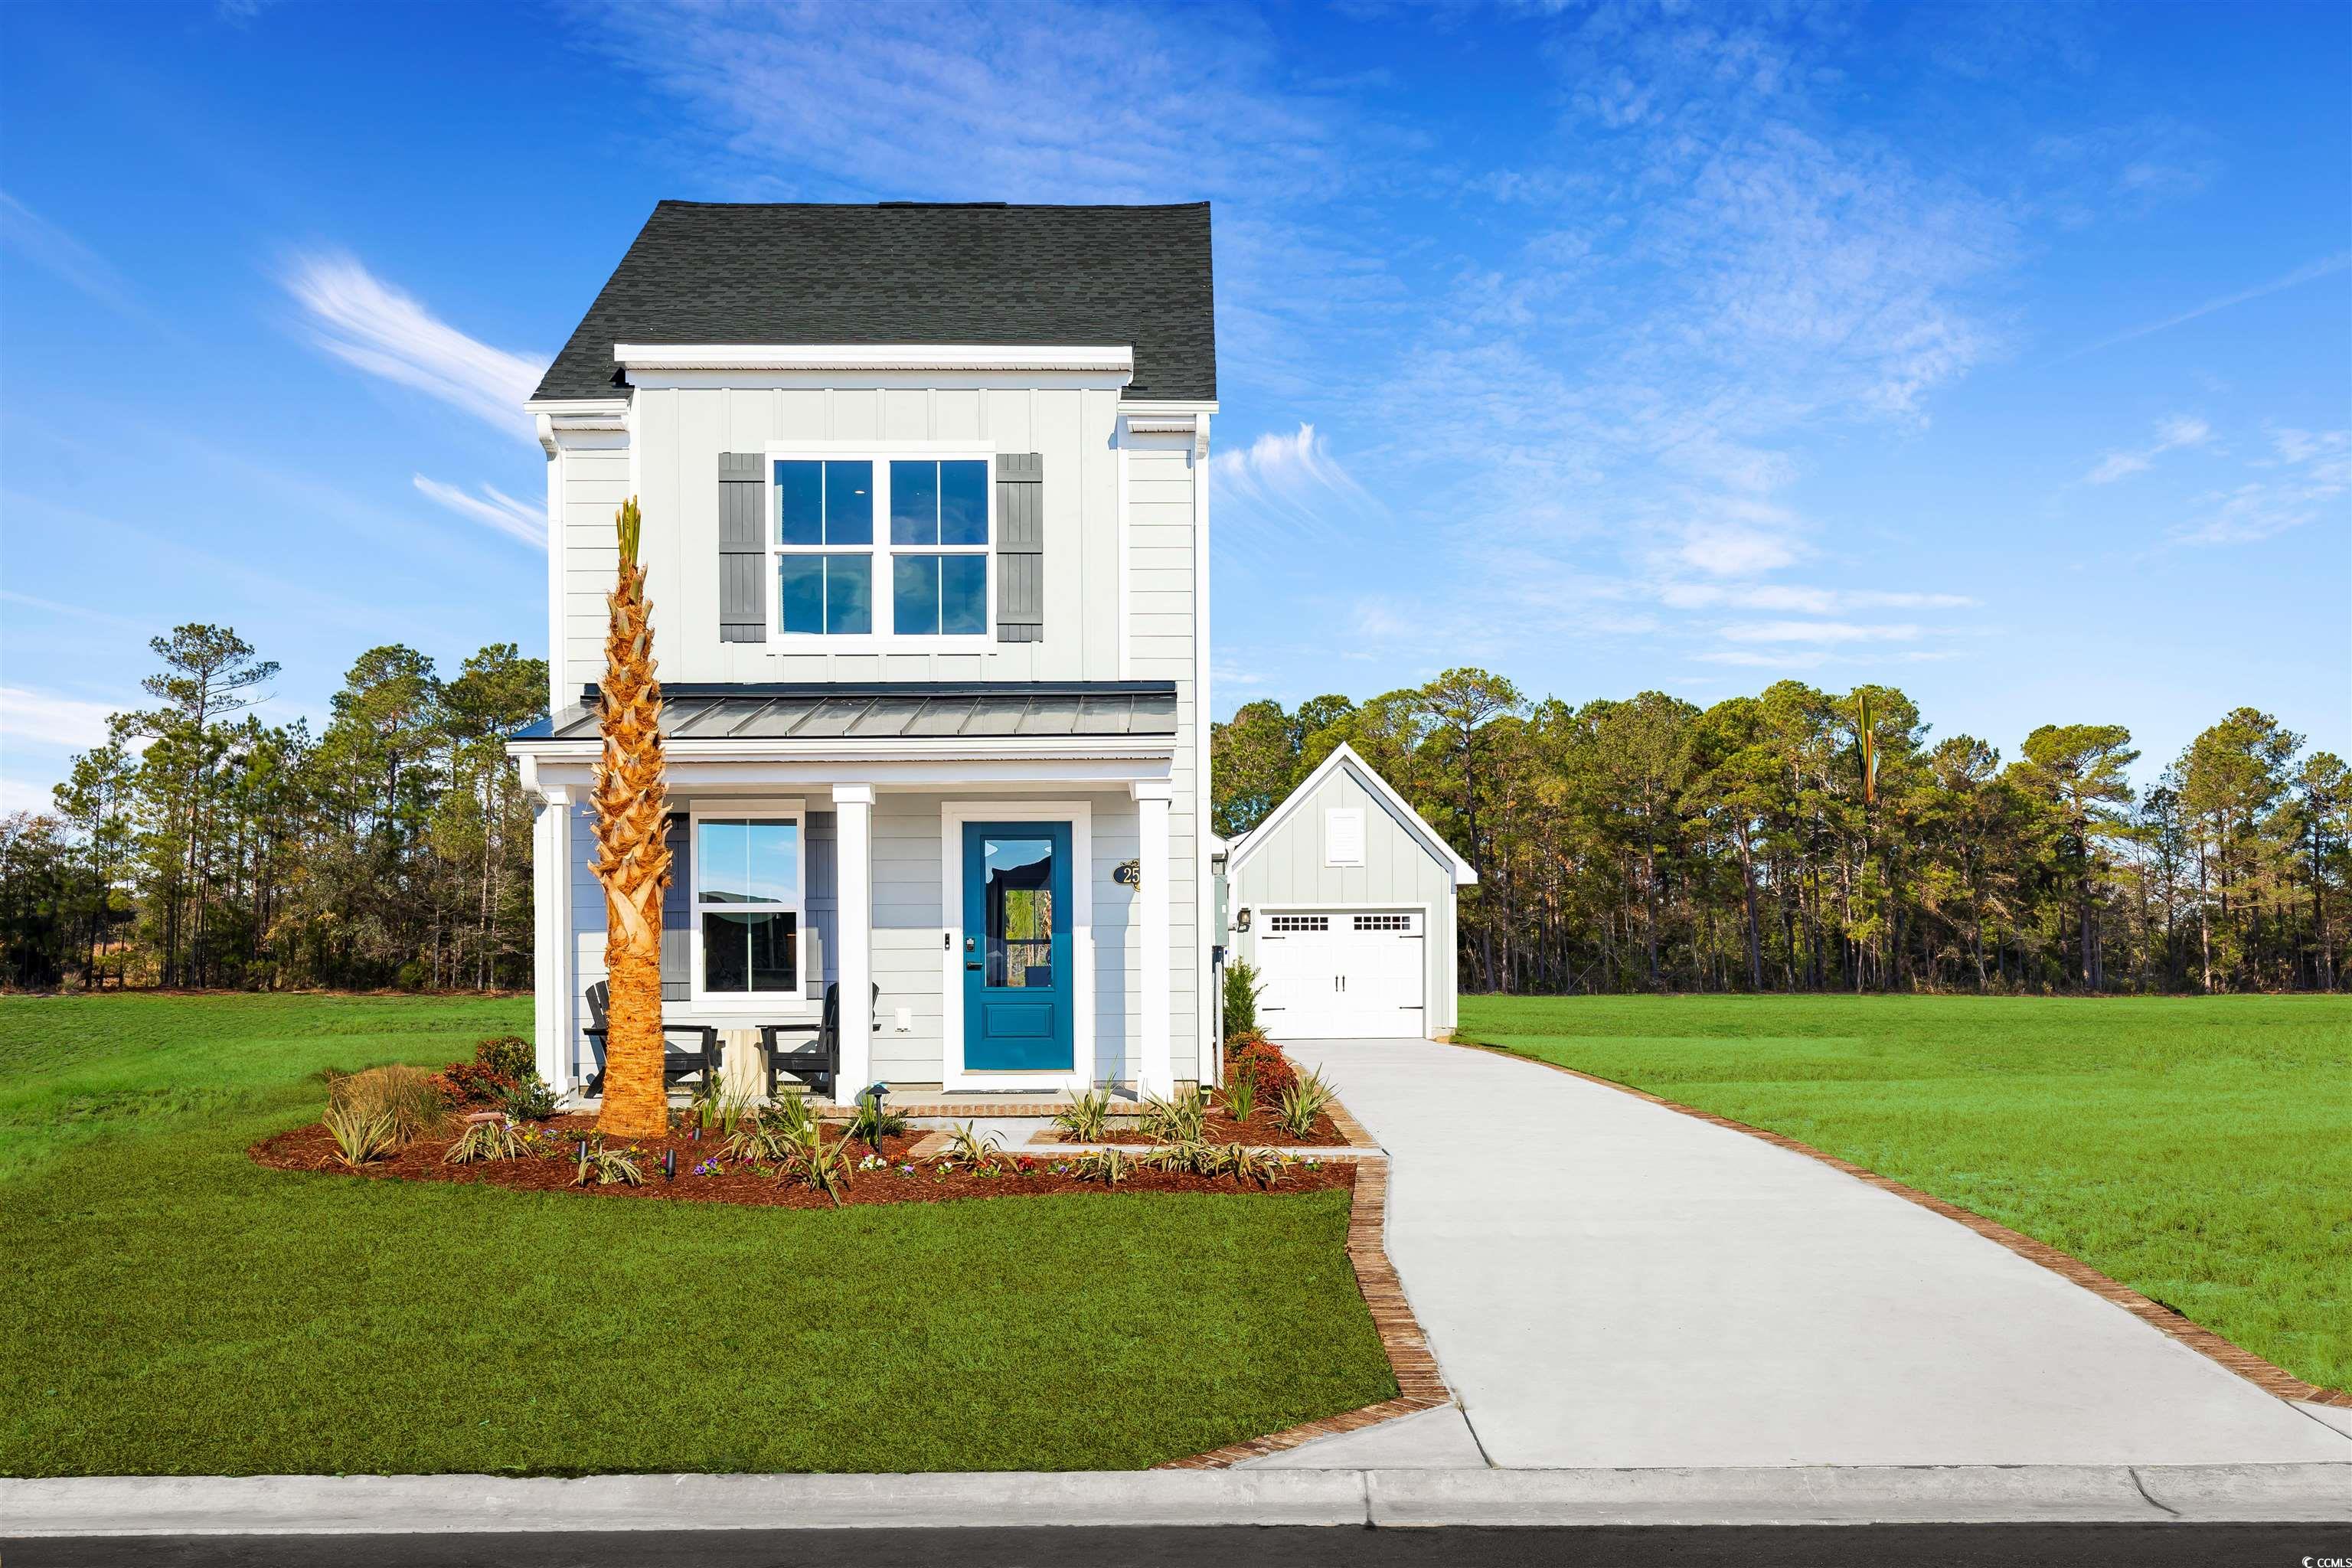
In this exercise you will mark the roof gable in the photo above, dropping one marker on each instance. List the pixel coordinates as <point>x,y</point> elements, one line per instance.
<point>1344,756</point>
<point>717,272</point>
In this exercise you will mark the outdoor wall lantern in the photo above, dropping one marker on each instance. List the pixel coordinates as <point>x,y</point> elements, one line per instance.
<point>1241,920</point>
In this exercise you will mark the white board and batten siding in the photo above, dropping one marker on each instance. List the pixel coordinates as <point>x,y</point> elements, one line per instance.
<point>1351,903</point>
<point>1121,601</point>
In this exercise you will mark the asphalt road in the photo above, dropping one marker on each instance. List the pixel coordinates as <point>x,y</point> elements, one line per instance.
<point>1871,1546</point>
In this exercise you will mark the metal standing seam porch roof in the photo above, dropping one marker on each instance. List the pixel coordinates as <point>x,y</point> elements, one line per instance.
<point>1140,709</point>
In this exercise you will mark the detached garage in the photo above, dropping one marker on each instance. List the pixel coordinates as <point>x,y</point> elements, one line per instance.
<point>1342,900</point>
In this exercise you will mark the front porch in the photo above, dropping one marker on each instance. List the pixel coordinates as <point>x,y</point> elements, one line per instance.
<point>1008,922</point>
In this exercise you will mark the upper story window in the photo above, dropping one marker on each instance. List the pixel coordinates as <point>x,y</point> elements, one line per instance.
<point>881,546</point>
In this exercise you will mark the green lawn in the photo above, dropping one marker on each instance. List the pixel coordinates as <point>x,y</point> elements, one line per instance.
<point>174,1309</point>
<point>2199,1150</point>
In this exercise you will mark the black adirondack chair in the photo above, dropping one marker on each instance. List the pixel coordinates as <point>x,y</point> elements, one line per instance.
<point>819,1057</point>
<point>701,1058</point>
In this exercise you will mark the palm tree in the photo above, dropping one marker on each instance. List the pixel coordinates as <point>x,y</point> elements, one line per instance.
<point>632,853</point>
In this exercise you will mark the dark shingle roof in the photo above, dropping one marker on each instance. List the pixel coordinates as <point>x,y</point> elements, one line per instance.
<point>985,709</point>
<point>709,272</point>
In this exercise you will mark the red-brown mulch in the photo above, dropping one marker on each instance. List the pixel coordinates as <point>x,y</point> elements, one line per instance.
<point>312,1148</point>
<point>1259,1132</point>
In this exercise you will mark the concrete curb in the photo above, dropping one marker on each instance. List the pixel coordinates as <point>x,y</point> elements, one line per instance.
<point>398,1505</point>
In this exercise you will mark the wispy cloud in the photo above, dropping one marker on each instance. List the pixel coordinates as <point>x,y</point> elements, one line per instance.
<point>2172,435</point>
<point>1801,600</point>
<point>59,253</point>
<point>47,721</point>
<point>2324,267</point>
<point>2310,480</point>
<point>78,612</point>
<point>1294,481</point>
<point>1818,632</point>
<point>515,520</point>
<point>369,323</point>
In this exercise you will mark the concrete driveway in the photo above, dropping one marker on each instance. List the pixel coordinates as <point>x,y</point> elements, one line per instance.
<point>1619,1286</point>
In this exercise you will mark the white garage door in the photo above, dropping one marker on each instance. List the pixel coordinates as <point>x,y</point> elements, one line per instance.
<point>1341,973</point>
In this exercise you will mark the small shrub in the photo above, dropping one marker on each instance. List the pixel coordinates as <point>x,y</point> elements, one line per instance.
<point>1193,1155</point>
<point>1242,988</point>
<point>1259,1167</point>
<point>1179,1120</point>
<point>408,1096</point>
<point>1085,1117</point>
<point>1108,1166</point>
<point>362,1136</point>
<point>818,1165</point>
<point>968,1147</point>
<point>1254,1057</point>
<point>508,1056</point>
<point>719,1108</point>
<point>1303,1105</point>
<point>606,1167</point>
<point>529,1100</point>
<point>1240,1096</point>
<point>487,1141</point>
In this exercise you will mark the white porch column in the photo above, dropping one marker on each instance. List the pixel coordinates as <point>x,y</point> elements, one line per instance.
<point>853,945</point>
<point>1154,1074</point>
<point>551,955</point>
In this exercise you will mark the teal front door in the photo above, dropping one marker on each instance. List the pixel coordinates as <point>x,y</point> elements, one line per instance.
<point>1018,982</point>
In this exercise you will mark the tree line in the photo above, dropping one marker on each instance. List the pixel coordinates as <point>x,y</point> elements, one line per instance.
<point>1805,840</point>
<point>201,846</point>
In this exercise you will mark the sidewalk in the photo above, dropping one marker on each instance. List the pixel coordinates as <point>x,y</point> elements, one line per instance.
<point>326,1505</point>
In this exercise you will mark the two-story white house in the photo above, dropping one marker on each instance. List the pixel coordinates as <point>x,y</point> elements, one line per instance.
<point>926,506</point>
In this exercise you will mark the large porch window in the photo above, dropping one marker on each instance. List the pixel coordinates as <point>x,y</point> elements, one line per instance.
<point>750,900</point>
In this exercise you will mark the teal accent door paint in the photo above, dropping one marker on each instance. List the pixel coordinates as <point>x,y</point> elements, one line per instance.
<point>1019,987</point>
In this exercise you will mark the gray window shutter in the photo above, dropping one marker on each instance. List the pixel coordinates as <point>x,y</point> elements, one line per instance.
<point>1020,547</point>
<point>742,548</point>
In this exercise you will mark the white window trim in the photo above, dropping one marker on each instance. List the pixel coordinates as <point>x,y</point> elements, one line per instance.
<point>881,553</point>
<point>1080,815</point>
<point>768,1004</point>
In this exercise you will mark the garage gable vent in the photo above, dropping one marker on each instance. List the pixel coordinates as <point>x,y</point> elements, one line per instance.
<point>1343,835</point>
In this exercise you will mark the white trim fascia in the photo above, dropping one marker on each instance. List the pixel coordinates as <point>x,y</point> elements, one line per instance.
<point>1208,1016</point>
<point>555,418</point>
<point>576,772</point>
<point>1125,587</point>
<point>834,749</point>
<point>1080,815</point>
<point>1167,406</point>
<point>1106,358</point>
<point>557,594</point>
<point>1343,756</point>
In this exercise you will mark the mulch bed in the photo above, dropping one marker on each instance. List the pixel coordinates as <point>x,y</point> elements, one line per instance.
<point>312,1148</point>
<point>1258,1132</point>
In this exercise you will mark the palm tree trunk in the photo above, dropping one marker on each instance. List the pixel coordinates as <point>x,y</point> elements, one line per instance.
<point>632,853</point>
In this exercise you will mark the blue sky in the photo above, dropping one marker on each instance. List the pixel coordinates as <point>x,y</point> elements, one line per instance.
<point>2001,354</point>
